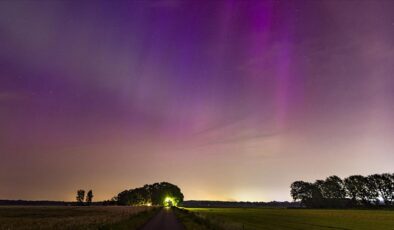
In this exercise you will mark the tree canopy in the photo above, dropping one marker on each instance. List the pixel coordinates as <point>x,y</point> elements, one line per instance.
<point>80,196</point>
<point>164,194</point>
<point>356,190</point>
<point>89,197</point>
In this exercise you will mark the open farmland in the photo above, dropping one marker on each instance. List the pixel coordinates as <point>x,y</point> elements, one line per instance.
<point>308,219</point>
<point>103,217</point>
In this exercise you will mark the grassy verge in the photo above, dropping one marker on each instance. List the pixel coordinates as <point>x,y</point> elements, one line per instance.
<point>190,220</point>
<point>198,221</point>
<point>133,222</point>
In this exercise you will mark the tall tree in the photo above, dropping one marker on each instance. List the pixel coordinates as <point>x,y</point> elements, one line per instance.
<point>385,184</point>
<point>317,200</point>
<point>358,189</point>
<point>301,191</point>
<point>80,196</point>
<point>89,197</point>
<point>372,191</point>
<point>391,187</point>
<point>333,188</point>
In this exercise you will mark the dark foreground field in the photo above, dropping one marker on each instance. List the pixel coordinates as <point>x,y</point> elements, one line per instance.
<point>126,217</point>
<point>102,217</point>
<point>308,219</point>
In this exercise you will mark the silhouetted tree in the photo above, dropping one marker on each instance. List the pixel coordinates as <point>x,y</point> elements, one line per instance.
<point>354,191</point>
<point>391,188</point>
<point>384,186</point>
<point>154,194</point>
<point>372,192</point>
<point>160,191</point>
<point>80,196</point>
<point>361,189</point>
<point>355,186</point>
<point>333,193</point>
<point>301,191</point>
<point>317,200</point>
<point>89,197</point>
<point>333,188</point>
<point>388,191</point>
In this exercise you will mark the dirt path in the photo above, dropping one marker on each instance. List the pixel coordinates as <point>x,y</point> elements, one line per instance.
<point>164,220</point>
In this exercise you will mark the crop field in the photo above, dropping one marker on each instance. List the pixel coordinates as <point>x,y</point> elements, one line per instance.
<point>308,219</point>
<point>100,217</point>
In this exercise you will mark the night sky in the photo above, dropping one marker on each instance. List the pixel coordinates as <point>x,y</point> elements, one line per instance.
<point>230,100</point>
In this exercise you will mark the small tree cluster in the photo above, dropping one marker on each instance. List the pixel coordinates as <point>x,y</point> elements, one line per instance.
<point>154,194</point>
<point>353,191</point>
<point>81,197</point>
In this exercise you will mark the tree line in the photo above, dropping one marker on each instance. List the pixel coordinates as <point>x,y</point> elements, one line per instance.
<point>163,193</point>
<point>81,197</point>
<point>353,191</point>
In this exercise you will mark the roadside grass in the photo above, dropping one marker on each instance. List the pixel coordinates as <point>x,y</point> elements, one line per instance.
<point>300,219</point>
<point>191,221</point>
<point>133,222</point>
<point>78,218</point>
<point>197,221</point>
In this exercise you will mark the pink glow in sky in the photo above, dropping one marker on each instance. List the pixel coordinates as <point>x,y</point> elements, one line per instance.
<point>230,100</point>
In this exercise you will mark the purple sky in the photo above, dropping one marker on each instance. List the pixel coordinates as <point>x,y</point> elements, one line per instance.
<point>230,100</point>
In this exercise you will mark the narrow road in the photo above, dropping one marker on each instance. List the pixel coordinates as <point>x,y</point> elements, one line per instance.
<point>164,220</point>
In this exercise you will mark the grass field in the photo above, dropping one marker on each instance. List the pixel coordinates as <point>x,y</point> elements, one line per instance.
<point>299,219</point>
<point>104,217</point>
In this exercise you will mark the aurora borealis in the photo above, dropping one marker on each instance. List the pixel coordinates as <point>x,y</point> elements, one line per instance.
<point>230,100</point>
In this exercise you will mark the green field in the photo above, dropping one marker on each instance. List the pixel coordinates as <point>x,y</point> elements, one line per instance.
<point>299,219</point>
<point>61,217</point>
